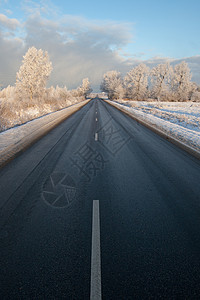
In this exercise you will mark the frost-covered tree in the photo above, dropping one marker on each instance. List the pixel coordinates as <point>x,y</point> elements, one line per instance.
<point>112,84</point>
<point>8,92</point>
<point>119,91</point>
<point>136,82</point>
<point>196,96</point>
<point>181,82</point>
<point>85,89</point>
<point>160,78</point>
<point>33,73</point>
<point>58,97</point>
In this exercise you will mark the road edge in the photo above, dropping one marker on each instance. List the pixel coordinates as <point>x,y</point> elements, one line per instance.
<point>161,133</point>
<point>11,152</point>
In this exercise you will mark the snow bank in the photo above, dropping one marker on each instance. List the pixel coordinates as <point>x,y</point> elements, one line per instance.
<point>15,140</point>
<point>180,120</point>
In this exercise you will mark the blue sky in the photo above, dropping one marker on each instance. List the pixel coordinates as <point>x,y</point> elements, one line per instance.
<point>165,28</point>
<point>126,32</point>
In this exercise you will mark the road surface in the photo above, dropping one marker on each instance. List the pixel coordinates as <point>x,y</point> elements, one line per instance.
<point>101,207</point>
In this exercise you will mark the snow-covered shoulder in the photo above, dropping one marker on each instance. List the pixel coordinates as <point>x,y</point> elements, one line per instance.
<point>178,119</point>
<point>13,136</point>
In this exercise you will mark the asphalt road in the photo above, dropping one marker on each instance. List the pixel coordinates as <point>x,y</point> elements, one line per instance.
<point>143,230</point>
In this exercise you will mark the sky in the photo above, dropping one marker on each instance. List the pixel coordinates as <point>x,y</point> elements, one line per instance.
<point>85,39</point>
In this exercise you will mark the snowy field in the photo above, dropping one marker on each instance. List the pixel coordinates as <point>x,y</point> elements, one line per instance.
<point>179,119</point>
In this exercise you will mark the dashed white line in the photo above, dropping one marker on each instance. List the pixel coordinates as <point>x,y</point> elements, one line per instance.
<point>96,136</point>
<point>95,284</point>
<point>96,119</point>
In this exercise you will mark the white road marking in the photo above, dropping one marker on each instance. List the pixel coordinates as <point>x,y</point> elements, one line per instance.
<point>96,112</point>
<point>95,283</point>
<point>96,119</point>
<point>96,136</point>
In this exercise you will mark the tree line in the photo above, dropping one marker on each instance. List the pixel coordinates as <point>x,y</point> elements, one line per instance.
<point>163,83</point>
<point>30,97</point>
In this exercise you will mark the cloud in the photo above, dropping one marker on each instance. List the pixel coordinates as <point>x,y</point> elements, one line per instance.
<point>11,24</point>
<point>11,51</point>
<point>77,47</point>
<point>41,7</point>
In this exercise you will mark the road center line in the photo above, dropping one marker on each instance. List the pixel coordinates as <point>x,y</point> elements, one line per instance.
<point>95,284</point>
<point>96,119</point>
<point>96,136</point>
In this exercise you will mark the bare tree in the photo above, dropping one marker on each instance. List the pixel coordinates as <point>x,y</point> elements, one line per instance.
<point>33,74</point>
<point>136,82</point>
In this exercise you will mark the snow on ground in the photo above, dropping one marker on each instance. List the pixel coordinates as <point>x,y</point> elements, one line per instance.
<point>178,119</point>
